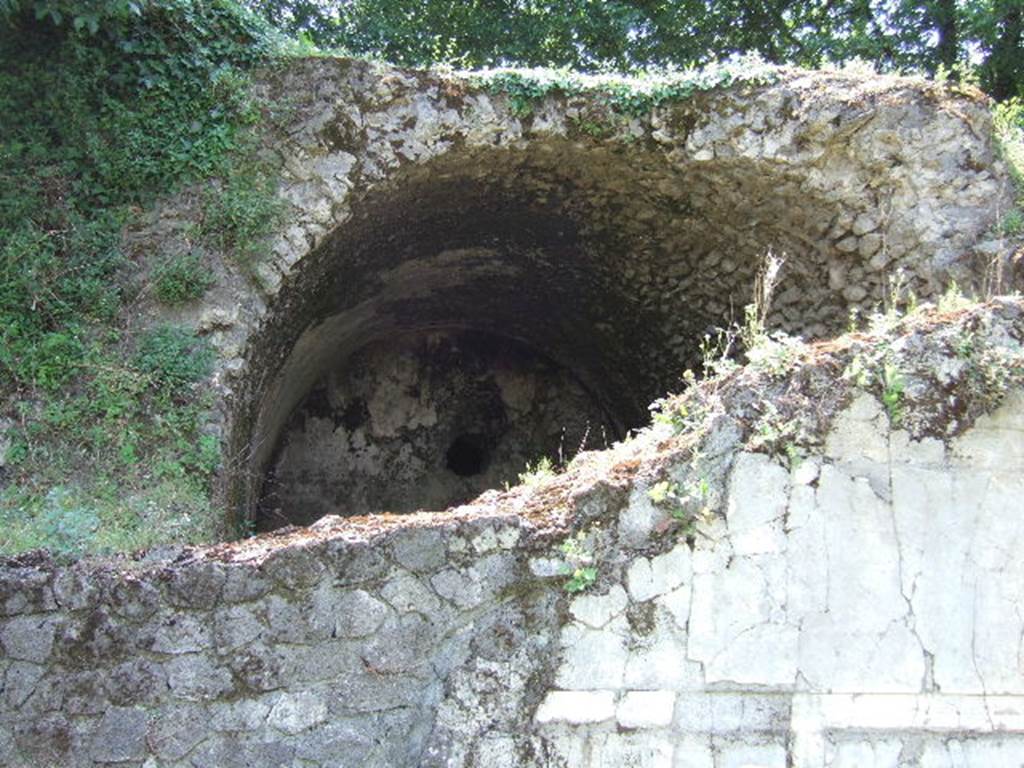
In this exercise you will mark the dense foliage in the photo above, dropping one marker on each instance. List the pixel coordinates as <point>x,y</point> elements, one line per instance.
<point>984,36</point>
<point>103,106</point>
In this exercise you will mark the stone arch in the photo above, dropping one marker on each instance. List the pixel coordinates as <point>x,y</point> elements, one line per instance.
<point>425,204</point>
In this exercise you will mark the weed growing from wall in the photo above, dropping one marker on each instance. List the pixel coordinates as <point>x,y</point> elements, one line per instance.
<point>780,435</point>
<point>579,564</point>
<point>238,211</point>
<point>1008,121</point>
<point>687,503</point>
<point>537,472</point>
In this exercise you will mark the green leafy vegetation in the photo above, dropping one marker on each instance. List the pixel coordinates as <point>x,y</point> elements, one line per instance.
<point>1008,118</point>
<point>991,370</point>
<point>238,211</point>
<point>676,412</point>
<point>173,358</point>
<point>687,504</point>
<point>957,39</point>
<point>579,562</point>
<point>624,96</point>
<point>181,278</point>
<point>537,472</point>
<point>1012,222</point>
<point>779,435</point>
<point>876,369</point>
<point>892,392</point>
<point>104,107</point>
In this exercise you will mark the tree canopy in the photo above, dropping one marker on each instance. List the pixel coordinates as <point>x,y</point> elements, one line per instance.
<point>983,37</point>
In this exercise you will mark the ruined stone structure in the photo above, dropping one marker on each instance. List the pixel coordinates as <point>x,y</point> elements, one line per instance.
<point>463,286</point>
<point>604,245</point>
<point>858,608</point>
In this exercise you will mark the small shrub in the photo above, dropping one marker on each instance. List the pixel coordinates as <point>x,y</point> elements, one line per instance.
<point>892,392</point>
<point>66,527</point>
<point>1008,120</point>
<point>898,301</point>
<point>181,279</point>
<point>716,352</point>
<point>776,354</point>
<point>537,472</point>
<point>173,357</point>
<point>754,330</point>
<point>878,367</point>
<point>992,371</point>
<point>579,565</point>
<point>582,579</point>
<point>953,299</point>
<point>628,96</point>
<point>688,503</point>
<point>239,213</point>
<point>1013,222</point>
<point>593,127</point>
<point>55,360</point>
<point>683,414</point>
<point>779,436</point>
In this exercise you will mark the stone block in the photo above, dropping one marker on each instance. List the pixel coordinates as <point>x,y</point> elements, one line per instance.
<point>234,626</point>
<point>177,732</point>
<point>28,638</point>
<point>592,658</point>
<point>196,677</point>
<point>176,633</point>
<point>419,550</point>
<point>120,736</point>
<point>576,707</point>
<point>758,494</point>
<point>624,750</point>
<point>293,713</point>
<point>406,593</point>
<point>356,613</point>
<point>661,574</point>
<point>19,682</point>
<point>597,610</point>
<point>768,754</point>
<point>294,567</point>
<point>198,586</point>
<point>645,709</point>
<point>694,752</point>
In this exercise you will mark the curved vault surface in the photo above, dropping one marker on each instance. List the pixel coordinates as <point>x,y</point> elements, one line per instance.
<point>533,253</point>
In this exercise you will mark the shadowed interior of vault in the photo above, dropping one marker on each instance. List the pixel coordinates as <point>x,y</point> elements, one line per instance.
<point>425,421</point>
<point>490,309</point>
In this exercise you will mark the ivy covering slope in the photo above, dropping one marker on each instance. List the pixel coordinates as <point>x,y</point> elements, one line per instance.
<point>104,106</point>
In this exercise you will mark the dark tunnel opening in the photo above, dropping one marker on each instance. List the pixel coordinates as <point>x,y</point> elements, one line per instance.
<point>467,455</point>
<point>483,312</point>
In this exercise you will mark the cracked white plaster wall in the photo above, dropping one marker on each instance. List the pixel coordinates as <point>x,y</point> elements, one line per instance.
<point>738,624</point>
<point>961,537</point>
<point>857,608</point>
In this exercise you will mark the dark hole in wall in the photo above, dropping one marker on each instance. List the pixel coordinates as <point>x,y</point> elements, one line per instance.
<point>467,455</point>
